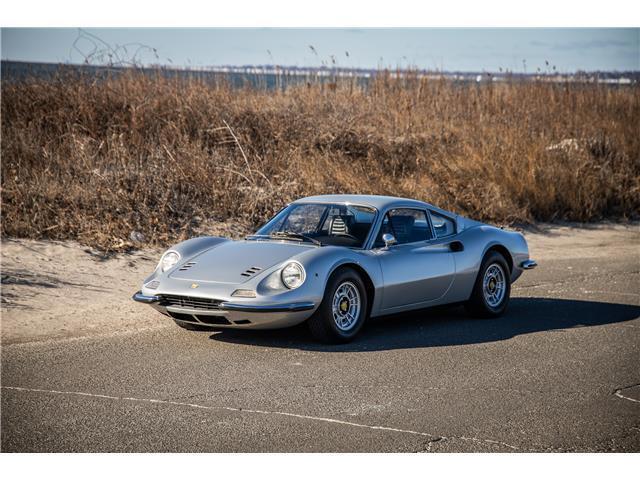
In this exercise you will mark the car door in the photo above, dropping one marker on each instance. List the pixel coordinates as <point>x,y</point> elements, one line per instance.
<point>419,269</point>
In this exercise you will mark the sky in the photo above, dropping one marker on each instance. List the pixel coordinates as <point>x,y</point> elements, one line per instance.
<point>463,49</point>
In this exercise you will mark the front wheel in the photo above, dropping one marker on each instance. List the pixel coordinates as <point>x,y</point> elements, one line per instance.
<point>343,310</point>
<point>492,289</point>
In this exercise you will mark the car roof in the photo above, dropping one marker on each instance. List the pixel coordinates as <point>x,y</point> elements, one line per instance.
<point>377,201</point>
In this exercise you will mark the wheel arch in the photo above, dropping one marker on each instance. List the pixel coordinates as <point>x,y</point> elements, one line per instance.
<point>476,304</point>
<point>366,278</point>
<point>501,249</point>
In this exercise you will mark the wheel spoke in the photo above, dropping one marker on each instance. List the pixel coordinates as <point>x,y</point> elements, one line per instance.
<point>346,316</point>
<point>493,285</point>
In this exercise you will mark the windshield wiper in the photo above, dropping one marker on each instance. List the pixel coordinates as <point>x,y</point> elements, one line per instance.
<point>288,234</point>
<point>284,235</point>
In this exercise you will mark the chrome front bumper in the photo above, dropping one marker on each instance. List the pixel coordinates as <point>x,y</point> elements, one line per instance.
<point>234,315</point>
<point>139,297</point>
<point>529,264</point>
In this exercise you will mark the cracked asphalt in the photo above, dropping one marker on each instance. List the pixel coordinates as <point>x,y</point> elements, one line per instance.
<point>559,372</point>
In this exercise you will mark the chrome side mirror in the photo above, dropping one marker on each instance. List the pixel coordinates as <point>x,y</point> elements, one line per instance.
<point>388,240</point>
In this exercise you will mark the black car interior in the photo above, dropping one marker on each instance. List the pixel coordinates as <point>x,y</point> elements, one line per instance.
<point>349,225</point>
<point>339,226</point>
<point>404,228</point>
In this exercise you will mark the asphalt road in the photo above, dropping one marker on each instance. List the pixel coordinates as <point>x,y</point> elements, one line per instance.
<point>559,372</point>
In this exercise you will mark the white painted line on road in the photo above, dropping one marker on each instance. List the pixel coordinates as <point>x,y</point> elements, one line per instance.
<point>618,394</point>
<point>261,412</point>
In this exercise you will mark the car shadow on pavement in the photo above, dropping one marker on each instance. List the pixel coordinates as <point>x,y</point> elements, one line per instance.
<point>442,326</point>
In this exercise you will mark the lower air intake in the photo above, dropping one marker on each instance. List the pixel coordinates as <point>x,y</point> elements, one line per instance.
<point>189,302</point>
<point>213,320</point>
<point>182,316</point>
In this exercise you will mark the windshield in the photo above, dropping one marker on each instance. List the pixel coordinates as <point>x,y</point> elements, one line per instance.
<point>321,223</point>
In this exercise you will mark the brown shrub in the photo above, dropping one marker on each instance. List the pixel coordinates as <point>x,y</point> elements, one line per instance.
<point>96,160</point>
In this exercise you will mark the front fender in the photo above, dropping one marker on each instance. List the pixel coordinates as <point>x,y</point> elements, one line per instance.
<point>324,261</point>
<point>190,248</point>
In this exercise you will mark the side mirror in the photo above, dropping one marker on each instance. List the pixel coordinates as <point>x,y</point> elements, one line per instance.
<point>388,240</point>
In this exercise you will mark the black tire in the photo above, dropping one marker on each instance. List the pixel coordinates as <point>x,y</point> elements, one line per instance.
<point>477,305</point>
<point>322,324</point>
<point>194,327</point>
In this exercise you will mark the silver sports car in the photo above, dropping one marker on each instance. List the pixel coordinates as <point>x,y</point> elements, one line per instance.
<point>335,260</point>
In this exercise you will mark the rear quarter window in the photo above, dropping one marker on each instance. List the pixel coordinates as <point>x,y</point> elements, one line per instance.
<point>443,226</point>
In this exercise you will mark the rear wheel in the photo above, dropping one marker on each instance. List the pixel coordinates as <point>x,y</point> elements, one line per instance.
<point>343,310</point>
<point>492,289</point>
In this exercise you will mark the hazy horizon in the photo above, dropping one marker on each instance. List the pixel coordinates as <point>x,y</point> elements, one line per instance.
<point>464,49</point>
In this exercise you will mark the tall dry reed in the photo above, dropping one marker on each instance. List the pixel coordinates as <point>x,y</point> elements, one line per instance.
<point>95,160</point>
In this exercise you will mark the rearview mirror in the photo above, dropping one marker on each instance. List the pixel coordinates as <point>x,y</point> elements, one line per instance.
<point>388,240</point>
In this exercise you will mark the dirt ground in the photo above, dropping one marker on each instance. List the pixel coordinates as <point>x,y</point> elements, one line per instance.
<point>84,368</point>
<point>54,290</point>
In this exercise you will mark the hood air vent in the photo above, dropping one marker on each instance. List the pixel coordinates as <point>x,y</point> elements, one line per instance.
<point>186,266</point>
<point>250,271</point>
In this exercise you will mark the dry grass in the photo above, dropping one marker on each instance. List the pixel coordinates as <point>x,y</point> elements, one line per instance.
<point>94,161</point>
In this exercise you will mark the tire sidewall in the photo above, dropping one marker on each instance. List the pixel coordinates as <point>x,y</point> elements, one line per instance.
<point>325,310</point>
<point>494,258</point>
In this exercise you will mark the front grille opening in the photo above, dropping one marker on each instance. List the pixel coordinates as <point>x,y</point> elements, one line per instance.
<point>189,302</point>
<point>242,322</point>
<point>182,316</point>
<point>213,320</point>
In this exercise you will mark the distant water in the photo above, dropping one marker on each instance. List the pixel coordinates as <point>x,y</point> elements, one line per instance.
<point>249,77</point>
<point>271,77</point>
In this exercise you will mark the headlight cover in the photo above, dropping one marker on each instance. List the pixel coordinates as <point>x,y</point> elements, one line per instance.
<point>168,260</point>
<point>293,275</point>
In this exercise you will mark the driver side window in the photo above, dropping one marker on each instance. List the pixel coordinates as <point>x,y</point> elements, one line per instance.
<point>407,225</point>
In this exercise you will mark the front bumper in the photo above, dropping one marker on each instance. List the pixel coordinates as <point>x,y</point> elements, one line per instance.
<point>139,297</point>
<point>529,264</point>
<point>234,315</point>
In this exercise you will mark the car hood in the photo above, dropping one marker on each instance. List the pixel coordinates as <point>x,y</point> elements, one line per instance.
<point>236,262</point>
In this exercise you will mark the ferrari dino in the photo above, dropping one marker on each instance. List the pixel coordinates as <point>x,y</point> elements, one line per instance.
<point>335,260</point>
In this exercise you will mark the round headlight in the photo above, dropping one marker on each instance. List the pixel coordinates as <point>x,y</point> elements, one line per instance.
<point>293,275</point>
<point>168,260</point>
